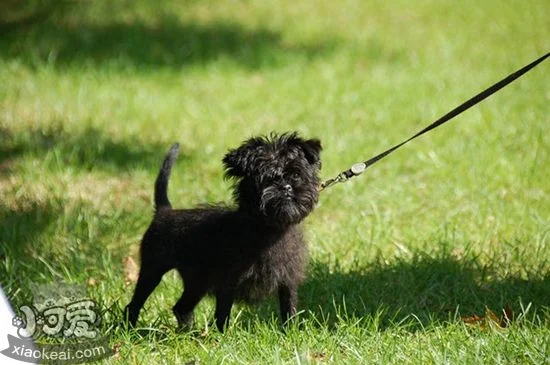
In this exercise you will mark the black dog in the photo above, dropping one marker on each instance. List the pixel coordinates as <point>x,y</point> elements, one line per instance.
<point>244,253</point>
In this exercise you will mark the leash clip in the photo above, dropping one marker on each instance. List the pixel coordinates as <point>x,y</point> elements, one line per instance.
<point>328,183</point>
<point>356,169</point>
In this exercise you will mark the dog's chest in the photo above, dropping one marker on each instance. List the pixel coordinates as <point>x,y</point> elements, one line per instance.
<point>282,262</point>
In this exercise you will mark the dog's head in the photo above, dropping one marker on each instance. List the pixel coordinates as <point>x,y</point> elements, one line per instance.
<point>276,177</point>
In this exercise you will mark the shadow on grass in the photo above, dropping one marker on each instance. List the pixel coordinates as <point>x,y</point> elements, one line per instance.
<point>20,230</point>
<point>52,239</point>
<point>29,249</point>
<point>414,294</point>
<point>168,43</point>
<point>88,150</point>
<point>20,226</point>
<point>432,289</point>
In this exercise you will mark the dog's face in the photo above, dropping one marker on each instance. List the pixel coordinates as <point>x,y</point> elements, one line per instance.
<point>276,177</point>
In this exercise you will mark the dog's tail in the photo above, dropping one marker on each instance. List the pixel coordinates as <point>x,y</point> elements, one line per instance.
<point>161,184</point>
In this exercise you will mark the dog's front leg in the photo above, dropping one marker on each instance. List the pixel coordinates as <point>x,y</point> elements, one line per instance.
<point>288,301</point>
<point>224,302</point>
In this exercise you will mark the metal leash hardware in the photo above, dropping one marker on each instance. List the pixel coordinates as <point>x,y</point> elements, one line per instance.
<point>360,167</point>
<point>356,169</point>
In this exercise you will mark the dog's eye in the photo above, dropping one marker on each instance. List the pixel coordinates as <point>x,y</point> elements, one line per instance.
<point>295,176</point>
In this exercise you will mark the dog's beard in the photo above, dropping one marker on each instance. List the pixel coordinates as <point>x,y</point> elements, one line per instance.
<point>282,208</point>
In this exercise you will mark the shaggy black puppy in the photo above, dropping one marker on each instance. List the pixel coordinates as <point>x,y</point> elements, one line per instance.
<point>245,253</point>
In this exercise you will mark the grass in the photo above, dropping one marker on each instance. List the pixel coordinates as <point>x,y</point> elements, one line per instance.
<point>454,225</point>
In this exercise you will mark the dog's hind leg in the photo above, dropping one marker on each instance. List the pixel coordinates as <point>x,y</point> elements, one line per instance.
<point>183,310</point>
<point>149,277</point>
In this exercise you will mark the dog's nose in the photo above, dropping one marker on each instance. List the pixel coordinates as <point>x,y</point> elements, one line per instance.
<point>288,188</point>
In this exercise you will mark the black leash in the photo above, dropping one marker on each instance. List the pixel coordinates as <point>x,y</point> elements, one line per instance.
<point>358,168</point>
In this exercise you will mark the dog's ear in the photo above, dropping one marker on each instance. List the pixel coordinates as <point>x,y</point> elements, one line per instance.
<point>239,161</point>
<point>312,150</point>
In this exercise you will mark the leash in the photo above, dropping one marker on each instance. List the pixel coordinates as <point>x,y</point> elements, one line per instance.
<point>359,168</point>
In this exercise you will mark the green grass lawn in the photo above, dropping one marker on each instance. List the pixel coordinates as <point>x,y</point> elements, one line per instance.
<point>454,225</point>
